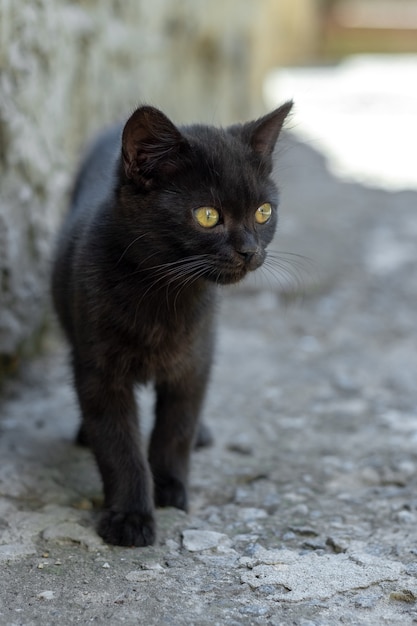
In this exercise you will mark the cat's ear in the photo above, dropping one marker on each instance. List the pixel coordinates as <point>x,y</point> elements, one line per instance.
<point>262,134</point>
<point>151,146</point>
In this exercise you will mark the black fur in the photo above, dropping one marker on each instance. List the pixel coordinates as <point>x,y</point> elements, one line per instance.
<point>134,286</point>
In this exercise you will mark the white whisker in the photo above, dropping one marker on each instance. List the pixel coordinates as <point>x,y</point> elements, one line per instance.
<point>130,245</point>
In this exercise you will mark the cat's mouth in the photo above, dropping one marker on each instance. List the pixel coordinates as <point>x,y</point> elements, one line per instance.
<point>237,272</point>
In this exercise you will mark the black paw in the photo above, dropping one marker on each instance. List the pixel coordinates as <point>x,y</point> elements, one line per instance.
<point>170,491</point>
<point>204,437</point>
<point>122,528</point>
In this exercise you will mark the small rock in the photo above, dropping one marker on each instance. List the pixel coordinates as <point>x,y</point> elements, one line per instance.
<point>346,383</point>
<point>267,589</point>
<point>46,595</point>
<point>314,545</point>
<point>370,476</point>
<point>405,595</point>
<point>172,545</point>
<point>289,536</point>
<point>142,575</point>
<point>241,445</point>
<point>405,517</point>
<point>337,545</point>
<point>411,569</point>
<point>120,599</point>
<point>252,549</point>
<point>241,495</point>
<point>365,601</point>
<point>153,565</point>
<point>304,531</point>
<point>65,532</point>
<point>249,514</point>
<point>198,540</point>
<point>301,509</point>
<point>255,611</point>
<point>83,505</point>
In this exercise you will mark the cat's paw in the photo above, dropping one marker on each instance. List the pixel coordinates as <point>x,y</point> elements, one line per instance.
<point>130,528</point>
<point>170,491</point>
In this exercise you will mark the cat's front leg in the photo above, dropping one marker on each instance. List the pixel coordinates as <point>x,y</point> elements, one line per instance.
<point>173,437</point>
<point>111,428</point>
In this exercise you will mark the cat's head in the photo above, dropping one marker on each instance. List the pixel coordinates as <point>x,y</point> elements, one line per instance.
<point>200,198</point>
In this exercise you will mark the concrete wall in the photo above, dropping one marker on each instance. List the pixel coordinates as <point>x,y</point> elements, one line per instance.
<point>66,68</point>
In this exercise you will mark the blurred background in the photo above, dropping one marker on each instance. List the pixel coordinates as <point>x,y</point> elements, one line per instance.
<point>69,67</point>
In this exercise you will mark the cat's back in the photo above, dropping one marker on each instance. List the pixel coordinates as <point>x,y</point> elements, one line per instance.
<point>92,192</point>
<point>96,176</point>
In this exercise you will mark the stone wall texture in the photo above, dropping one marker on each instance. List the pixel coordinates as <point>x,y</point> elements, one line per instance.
<point>67,68</point>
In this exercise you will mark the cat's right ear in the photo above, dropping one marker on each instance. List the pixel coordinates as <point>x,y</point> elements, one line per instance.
<point>262,134</point>
<point>151,146</point>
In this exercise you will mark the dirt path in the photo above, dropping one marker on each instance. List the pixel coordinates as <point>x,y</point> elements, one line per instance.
<point>304,512</point>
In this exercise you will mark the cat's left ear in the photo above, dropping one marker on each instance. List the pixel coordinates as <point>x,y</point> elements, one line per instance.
<point>151,146</point>
<point>262,134</point>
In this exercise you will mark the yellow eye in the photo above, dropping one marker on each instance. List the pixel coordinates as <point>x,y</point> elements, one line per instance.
<point>263,214</point>
<point>207,216</point>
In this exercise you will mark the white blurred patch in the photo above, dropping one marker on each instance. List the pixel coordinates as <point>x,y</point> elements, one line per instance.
<point>361,113</point>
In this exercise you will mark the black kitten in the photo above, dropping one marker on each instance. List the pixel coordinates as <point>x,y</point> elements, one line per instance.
<point>159,217</point>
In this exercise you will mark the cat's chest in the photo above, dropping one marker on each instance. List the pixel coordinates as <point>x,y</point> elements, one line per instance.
<point>164,349</point>
<point>161,344</point>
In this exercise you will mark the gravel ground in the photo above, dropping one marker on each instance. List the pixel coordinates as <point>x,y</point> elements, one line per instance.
<point>304,511</point>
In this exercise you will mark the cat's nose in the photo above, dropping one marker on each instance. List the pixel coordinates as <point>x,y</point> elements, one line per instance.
<point>251,255</point>
<point>247,255</point>
<point>249,251</point>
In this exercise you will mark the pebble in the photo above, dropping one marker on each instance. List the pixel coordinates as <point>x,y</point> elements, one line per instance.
<point>248,514</point>
<point>83,505</point>
<point>405,517</point>
<point>346,383</point>
<point>255,611</point>
<point>314,545</point>
<point>337,545</point>
<point>301,509</point>
<point>252,549</point>
<point>411,569</point>
<point>289,536</point>
<point>46,595</point>
<point>304,531</point>
<point>198,540</point>
<point>241,445</point>
<point>142,575</point>
<point>71,531</point>
<point>172,545</point>
<point>365,601</point>
<point>405,595</point>
<point>267,589</point>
